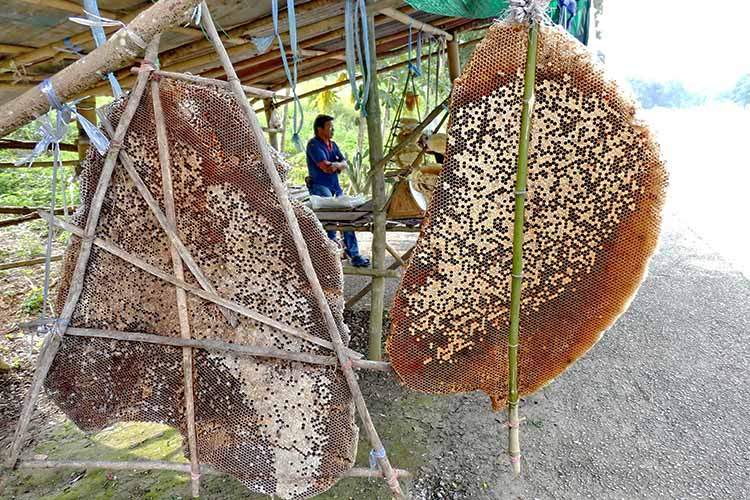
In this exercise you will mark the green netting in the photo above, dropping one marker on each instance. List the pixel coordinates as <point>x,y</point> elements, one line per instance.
<point>484,9</point>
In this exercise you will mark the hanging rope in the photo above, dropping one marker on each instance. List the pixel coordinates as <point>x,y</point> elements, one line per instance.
<point>355,22</point>
<point>52,136</point>
<point>298,116</point>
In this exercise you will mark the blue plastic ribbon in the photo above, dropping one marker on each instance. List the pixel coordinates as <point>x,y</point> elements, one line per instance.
<point>99,38</point>
<point>291,78</point>
<point>262,43</point>
<point>568,9</point>
<point>374,456</point>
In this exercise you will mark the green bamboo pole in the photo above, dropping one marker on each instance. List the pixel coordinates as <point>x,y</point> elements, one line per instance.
<point>514,447</point>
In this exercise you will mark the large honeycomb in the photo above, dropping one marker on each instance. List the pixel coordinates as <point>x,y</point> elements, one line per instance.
<point>282,428</point>
<point>596,187</point>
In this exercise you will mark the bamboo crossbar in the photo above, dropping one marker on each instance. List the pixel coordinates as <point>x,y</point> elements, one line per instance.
<point>225,347</point>
<point>27,145</point>
<point>200,80</point>
<point>29,210</point>
<point>366,271</point>
<point>26,263</point>
<point>206,295</point>
<point>40,164</point>
<point>398,263</point>
<point>163,465</point>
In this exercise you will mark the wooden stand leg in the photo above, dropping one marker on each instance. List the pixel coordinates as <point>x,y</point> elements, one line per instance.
<point>182,309</point>
<point>53,341</point>
<point>385,465</point>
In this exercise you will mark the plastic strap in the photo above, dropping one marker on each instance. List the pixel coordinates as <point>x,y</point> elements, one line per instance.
<point>297,124</point>
<point>99,38</point>
<point>375,455</point>
<point>262,43</point>
<point>367,69</point>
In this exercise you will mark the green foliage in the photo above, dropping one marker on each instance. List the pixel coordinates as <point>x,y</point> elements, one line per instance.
<point>668,95</point>
<point>33,301</point>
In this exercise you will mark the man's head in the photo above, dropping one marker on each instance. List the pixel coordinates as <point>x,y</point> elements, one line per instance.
<point>323,127</point>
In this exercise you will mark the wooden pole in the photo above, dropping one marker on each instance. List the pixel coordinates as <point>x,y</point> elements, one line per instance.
<point>26,263</point>
<point>454,59</point>
<point>416,24</point>
<point>120,49</point>
<point>171,466</point>
<point>41,164</point>
<point>375,141</point>
<point>304,255</point>
<point>200,80</point>
<point>514,447</point>
<point>273,137</point>
<point>182,308</point>
<point>375,273</point>
<point>225,347</point>
<point>53,340</point>
<point>87,108</point>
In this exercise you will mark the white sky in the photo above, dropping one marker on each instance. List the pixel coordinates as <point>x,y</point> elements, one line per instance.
<point>704,44</point>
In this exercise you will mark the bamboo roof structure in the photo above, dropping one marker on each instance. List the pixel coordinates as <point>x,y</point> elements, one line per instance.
<point>37,39</point>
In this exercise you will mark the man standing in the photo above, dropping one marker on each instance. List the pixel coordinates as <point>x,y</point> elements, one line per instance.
<point>324,163</point>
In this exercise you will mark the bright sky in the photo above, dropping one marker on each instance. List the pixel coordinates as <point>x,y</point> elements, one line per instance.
<point>704,44</point>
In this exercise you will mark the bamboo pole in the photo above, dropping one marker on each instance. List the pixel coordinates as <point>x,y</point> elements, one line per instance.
<point>514,446</point>
<point>120,49</point>
<point>304,255</point>
<point>27,263</point>
<point>162,465</point>
<point>26,145</point>
<point>273,137</point>
<point>41,164</point>
<point>18,220</point>
<point>251,91</point>
<point>375,140</point>
<point>415,23</point>
<point>375,273</point>
<point>199,292</point>
<point>28,210</point>
<point>454,58</point>
<point>174,239</point>
<point>53,340</point>
<point>359,295</point>
<point>394,254</point>
<point>226,347</point>
<point>182,309</point>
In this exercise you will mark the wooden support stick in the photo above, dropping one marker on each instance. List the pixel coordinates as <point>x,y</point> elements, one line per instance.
<point>29,210</point>
<point>365,271</point>
<point>200,80</point>
<point>304,255</point>
<point>395,255</point>
<point>454,60</point>
<point>226,347</point>
<point>182,308</point>
<point>415,23</point>
<point>169,229</point>
<point>26,145</point>
<point>18,220</point>
<point>199,292</point>
<point>360,294</point>
<point>26,263</point>
<point>162,465</point>
<point>53,340</point>
<point>40,164</point>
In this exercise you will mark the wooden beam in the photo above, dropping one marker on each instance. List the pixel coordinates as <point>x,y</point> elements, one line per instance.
<point>119,50</point>
<point>27,145</point>
<point>40,164</point>
<point>28,210</point>
<point>375,273</point>
<point>6,48</point>
<point>454,61</point>
<point>253,91</point>
<point>26,263</point>
<point>414,23</point>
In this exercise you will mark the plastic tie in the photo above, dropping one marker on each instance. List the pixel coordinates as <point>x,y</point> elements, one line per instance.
<point>195,476</point>
<point>346,365</point>
<point>375,455</point>
<point>515,459</point>
<point>392,481</point>
<point>95,20</point>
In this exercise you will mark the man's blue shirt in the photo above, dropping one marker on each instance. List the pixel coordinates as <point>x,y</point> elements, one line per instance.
<point>317,151</point>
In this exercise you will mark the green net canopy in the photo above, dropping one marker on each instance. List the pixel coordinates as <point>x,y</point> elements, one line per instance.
<point>573,14</point>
